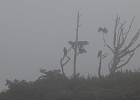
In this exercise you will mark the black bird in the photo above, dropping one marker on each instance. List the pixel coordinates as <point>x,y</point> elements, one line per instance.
<point>99,53</point>
<point>65,51</point>
<point>104,30</point>
<point>72,44</point>
<point>82,43</point>
<point>81,51</point>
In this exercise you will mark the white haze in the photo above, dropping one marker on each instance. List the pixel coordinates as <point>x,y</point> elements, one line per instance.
<point>33,34</point>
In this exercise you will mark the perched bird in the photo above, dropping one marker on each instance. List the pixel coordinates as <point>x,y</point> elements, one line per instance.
<point>99,53</point>
<point>82,43</point>
<point>72,44</point>
<point>81,50</point>
<point>104,30</point>
<point>65,51</point>
<point>78,44</point>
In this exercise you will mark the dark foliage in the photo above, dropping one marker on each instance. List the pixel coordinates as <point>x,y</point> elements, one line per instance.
<point>56,86</point>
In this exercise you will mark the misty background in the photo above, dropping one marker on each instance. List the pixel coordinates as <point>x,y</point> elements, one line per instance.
<point>33,34</point>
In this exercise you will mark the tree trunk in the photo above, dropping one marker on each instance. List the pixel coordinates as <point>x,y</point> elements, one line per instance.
<point>99,70</point>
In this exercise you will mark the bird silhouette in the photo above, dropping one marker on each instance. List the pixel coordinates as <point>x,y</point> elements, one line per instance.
<point>72,44</point>
<point>79,43</point>
<point>82,43</point>
<point>81,50</point>
<point>65,51</point>
<point>104,30</point>
<point>99,53</point>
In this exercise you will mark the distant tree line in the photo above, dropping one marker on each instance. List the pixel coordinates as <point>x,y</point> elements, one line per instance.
<point>56,86</point>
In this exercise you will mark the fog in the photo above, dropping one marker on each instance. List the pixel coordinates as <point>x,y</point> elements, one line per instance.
<point>33,34</point>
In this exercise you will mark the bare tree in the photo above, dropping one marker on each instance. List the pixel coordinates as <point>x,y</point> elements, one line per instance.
<point>77,46</point>
<point>119,50</point>
<point>61,61</point>
<point>101,56</point>
<point>75,49</point>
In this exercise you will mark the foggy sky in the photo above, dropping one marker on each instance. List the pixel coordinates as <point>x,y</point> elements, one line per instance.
<point>33,34</point>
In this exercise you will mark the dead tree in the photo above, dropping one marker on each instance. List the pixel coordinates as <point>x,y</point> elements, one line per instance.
<point>100,62</point>
<point>61,61</point>
<point>80,50</point>
<point>77,46</point>
<point>119,50</point>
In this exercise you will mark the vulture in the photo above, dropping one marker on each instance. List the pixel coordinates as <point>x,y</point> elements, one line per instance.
<point>81,51</point>
<point>104,30</point>
<point>82,43</point>
<point>79,43</point>
<point>72,44</point>
<point>99,53</point>
<point>65,51</point>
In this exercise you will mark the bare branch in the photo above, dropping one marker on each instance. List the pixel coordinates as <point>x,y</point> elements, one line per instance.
<point>117,21</point>
<point>119,40</point>
<point>124,53</point>
<point>66,61</point>
<point>107,44</point>
<point>126,33</point>
<point>69,49</point>
<point>126,61</point>
<point>129,27</point>
<point>103,56</point>
<point>79,25</point>
<point>134,48</point>
<point>120,32</point>
<point>122,42</point>
<point>109,64</point>
<point>133,40</point>
<point>61,61</point>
